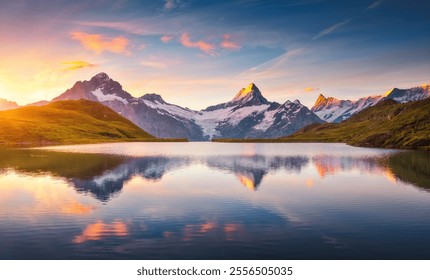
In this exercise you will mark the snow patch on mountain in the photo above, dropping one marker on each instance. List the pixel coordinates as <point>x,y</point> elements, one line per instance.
<point>267,121</point>
<point>170,109</point>
<point>101,97</point>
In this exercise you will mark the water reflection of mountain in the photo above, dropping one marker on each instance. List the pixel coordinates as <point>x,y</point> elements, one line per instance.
<point>104,186</point>
<point>250,170</point>
<point>411,167</point>
<point>100,175</point>
<point>330,165</point>
<point>103,176</point>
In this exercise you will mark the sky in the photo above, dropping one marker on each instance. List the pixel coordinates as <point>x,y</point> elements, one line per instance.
<point>197,53</point>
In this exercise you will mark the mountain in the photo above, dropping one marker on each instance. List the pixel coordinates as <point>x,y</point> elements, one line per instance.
<point>388,124</point>
<point>150,112</point>
<point>250,115</point>
<point>407,95</point>
<point>67,122</point>
<point>247,115</point>
<point>7,105</point>
<point>334,110</point>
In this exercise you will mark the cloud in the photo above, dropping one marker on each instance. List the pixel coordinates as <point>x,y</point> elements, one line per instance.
<point>99,43</point>
<point>166,38</point>
<point>331,29</point>
<point>171,4</point>
<point>203,46</point>
<point>308,89</point>
<point>79,64</point>
<point>153,64</point>
<point>100,230</point>
<point>227,44</point>
<point>374,4</point>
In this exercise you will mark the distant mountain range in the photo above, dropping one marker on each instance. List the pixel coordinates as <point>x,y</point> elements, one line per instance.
<point>7,105</point>
<point>248,115</point>
<point>388,124</point>
<point>334,110</point>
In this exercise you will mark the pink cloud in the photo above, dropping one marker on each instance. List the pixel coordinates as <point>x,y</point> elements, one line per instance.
<point>203,46</point>
<point>166,38</point>
<point>230,45</point>
<point>153,64</point>
<point>99,43</point>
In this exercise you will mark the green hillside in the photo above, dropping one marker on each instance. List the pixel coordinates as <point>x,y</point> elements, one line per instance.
<point>67,122</point>
<point>387,125</point>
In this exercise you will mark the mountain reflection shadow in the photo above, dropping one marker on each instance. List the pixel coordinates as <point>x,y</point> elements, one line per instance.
<point>104,176</point>
<point>330,165</point>
<point>411,167</point>
<point>250,170</point>
<point>105,186</point>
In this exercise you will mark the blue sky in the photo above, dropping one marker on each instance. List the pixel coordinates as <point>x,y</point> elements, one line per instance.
<point>198,53</point>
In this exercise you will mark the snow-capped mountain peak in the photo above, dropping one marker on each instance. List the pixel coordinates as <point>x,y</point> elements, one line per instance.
<point>244,92</point>
<point>153,97</point>
<point>100,78</point>
<point>320,102</point>
<point>388,92</point>
<point>334,110</point>
<point>249,96</point>
<point>407,95</point>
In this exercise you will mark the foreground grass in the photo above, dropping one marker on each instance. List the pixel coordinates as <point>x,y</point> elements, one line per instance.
<point>68,122</point>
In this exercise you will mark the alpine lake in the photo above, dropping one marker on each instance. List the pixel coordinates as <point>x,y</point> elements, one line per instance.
<point>202,200</point>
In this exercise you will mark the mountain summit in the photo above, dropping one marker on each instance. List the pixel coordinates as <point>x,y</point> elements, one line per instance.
<point>250,95</point>
<point>100,78</point>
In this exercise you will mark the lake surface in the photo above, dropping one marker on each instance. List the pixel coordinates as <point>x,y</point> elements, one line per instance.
<point>214,201</point>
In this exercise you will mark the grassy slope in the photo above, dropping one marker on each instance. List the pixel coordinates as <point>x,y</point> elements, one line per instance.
<point>67,122</point>
<point>387,125</point>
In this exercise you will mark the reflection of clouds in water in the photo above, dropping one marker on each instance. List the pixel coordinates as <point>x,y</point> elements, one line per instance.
<point>227,231</point>
<point>39,194</point>
<point>100,230</point>
<point>231,231</point>
<point>76,208</point>
<point>180,206</point>
<point>249,167</point>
